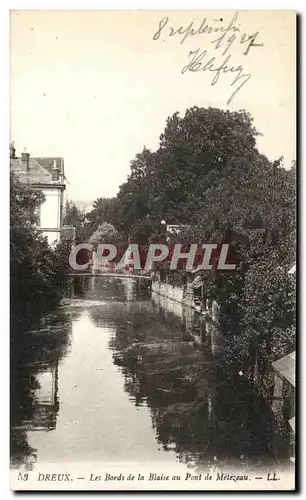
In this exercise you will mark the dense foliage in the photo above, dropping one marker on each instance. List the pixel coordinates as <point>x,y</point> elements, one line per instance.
<point>105,233</point>
<point>37,270</point>
<point>208,174</point>
<point>74,217</point>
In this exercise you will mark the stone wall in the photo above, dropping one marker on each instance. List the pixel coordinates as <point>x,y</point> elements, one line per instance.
<point>185,296</point>
<point>172,292</point>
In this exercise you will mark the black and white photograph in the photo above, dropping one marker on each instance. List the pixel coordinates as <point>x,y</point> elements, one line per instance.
<point>153,251</point>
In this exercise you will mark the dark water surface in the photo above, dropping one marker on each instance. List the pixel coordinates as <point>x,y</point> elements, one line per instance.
<point>118,375</point>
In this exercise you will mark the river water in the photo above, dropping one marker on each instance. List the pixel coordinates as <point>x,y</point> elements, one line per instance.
<point>117,374</point>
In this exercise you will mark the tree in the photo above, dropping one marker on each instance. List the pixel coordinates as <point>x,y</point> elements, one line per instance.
<point>75,217</point>
<point>37,271</point>
<point>135,195</point>
<point>103,210</point>
<point>106,233</point>
<point>208,174</point>
<point>194,153</point>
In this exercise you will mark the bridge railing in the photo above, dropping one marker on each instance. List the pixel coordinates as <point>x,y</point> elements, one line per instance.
<point>110,268</point>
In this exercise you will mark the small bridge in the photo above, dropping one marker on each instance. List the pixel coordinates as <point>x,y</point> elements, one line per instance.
<point>110,275</point>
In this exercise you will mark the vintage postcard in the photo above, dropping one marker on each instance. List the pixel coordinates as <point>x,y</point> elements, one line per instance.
<point>153,250</point>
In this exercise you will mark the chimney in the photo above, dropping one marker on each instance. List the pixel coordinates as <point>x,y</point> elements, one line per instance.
<point>25,158</point>
<point>55,172</point>
<point>61,171</point>
<point>12,151</point>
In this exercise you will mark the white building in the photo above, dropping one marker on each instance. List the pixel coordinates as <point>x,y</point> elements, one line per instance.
<point>46,175</point>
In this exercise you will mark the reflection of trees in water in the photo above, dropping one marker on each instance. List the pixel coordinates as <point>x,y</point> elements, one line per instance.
<point>108,288</point>
<point>21,451</point>
<point>126,316</point>
<point>195,410</point>
<point>36,350</point>
<point>228,424</point>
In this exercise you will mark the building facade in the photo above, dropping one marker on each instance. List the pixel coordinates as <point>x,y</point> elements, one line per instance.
<point>47,175</point>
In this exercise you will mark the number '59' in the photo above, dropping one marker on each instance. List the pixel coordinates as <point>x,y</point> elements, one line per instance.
<point>23,476</point>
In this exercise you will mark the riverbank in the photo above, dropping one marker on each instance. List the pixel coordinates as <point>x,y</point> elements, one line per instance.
<point>186,296</point>
<point>276,386</point>
<point>166,398</point>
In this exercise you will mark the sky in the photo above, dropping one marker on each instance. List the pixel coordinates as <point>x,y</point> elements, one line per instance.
<point>94,86</point>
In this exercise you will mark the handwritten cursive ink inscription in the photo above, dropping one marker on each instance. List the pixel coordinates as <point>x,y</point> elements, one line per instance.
<point>229,34</point>
<point>197,63</point>
<point>222,37</point>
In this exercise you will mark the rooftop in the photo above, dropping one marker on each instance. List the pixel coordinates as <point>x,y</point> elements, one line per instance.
<point>38,170</point>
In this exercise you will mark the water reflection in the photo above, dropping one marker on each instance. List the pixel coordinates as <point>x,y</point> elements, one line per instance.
<point>153,364</point>
<point>35,356</point>
<point>168,364</point>
<point>115,289</point>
